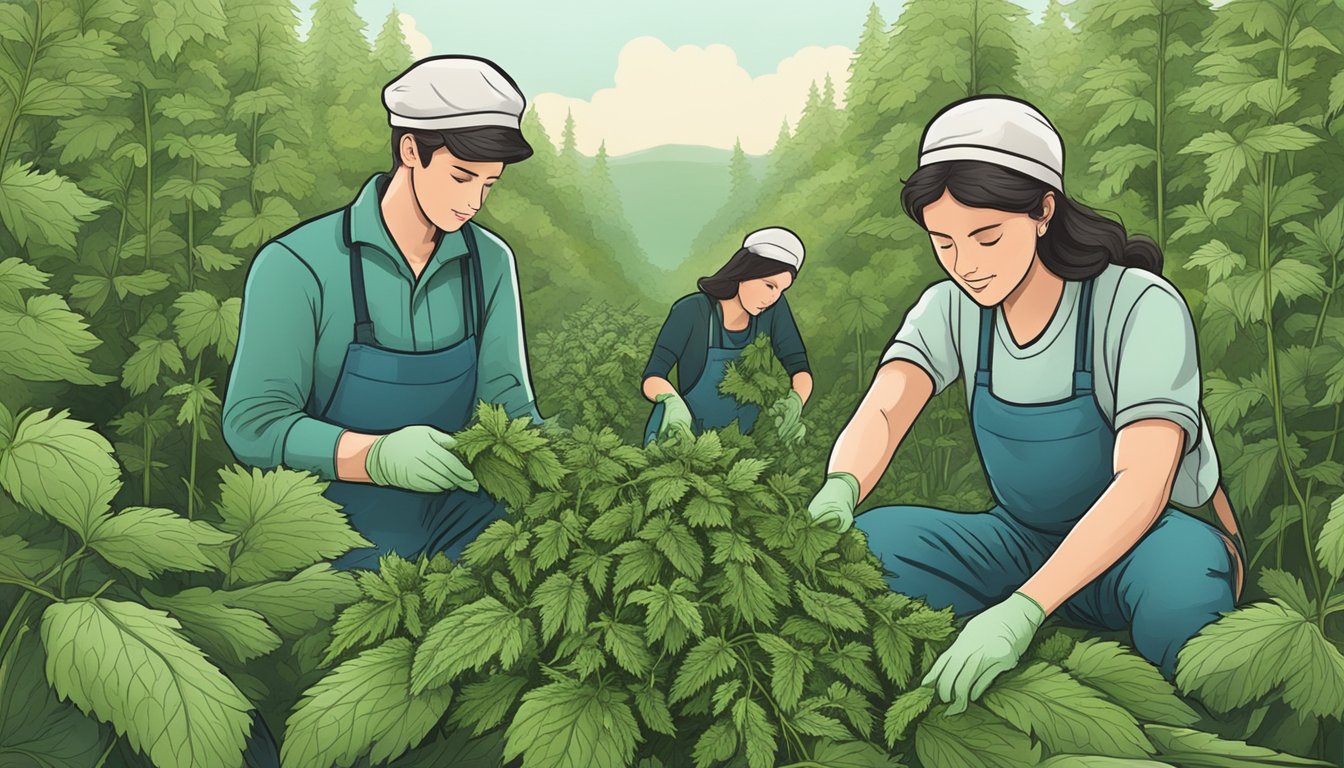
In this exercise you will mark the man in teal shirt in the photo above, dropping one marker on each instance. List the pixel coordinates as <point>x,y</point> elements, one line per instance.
<point>369,334</point>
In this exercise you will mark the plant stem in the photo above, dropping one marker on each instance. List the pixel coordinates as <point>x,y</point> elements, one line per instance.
<point>23,87</point>
<point>31,587</point>
<point>149,455</point>
<point>1159,123</point>
<point>191,233</point>
<point>195,442</point>
<point>110,745</point>
<point>19,608</point>
<point>149,176</point>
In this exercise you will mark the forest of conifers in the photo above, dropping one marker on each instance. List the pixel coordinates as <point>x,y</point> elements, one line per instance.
<point>657,607</point>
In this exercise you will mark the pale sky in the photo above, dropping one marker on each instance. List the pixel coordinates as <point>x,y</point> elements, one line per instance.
<point>641,73</point>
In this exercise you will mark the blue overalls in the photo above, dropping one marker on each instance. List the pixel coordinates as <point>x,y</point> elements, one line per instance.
<point>1047,463</point>
<point>381,390</point>
<point>711,409</point>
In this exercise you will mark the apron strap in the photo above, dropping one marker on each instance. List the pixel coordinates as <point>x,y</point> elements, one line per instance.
<point>473,288</point>
<point>985,352</point>
<point>1227,519</point>
<point>1082,345</point>
<point>363,325</point>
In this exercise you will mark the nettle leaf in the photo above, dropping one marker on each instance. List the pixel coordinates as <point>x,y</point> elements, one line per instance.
<point>186,108</point>
<point>852,754</point>
<point>669,614</point>
<point>83,136</point>
<point>716,744</point>
<point>128,665</point>
<point>757,731</point>
<point>21,560</point>
<point>904,710</point>
<point>60,467</point>
<point>748,593</point>
<point>41,339</point>
<point>832,610</point>
<point>143,367</point>
<point>1287,590</point>
<point>625,643</point>
<point>895,653</point>
<point>196,398</point>
<point>1250,652</point>
<point>364,706</point>
<point>282,521</point>
<point>44,208</point>
<point>652,704</point>
<point>789,667</point>
<point>17,276</point>
<point>203,320</point>
<point>295,607</point>
<point>1196,749</point>
<point>973,737</point>
<point>483,705</point>
<point>1064,714</point>
<point>250,229</point>
<point>1330,545</point>
<point>469,638</point>
<point>675,541</point>
<point>563,602</point>
<point>148,541</point>
<point>233,635</point>
<point>1128,680</point>
<point>1227,402</point>
<point>218,150</point>
<point>709,660</point>
<point>569,724</point>
<point>176,21</point>
<point>852,662</point>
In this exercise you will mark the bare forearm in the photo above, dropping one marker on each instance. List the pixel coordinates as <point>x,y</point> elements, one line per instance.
<point>868,442</point>
<point>352,450</point>
<point>657,385</point>
<point>802,384</point>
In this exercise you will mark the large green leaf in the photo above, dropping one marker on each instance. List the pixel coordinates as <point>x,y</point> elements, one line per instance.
<point>1128,680</point>
<point>204,320</point>
<point>84,136</point>
<point>483,705</point>
<point>37,730</point>
<point>21,560</point>
<point>211,150</point>
<point>974,737</point>
<point>709,660</point>
<point>174,22</point>
<point>44,208</point>
<point>149,541</point>
<point>1330,545</point>
<point>233,635</point>
<point>788,669</point>
<point>852,754</point>
<point>1195,749</point>
<point>469,638</point>
<point>250,229</point>
<point>282,521</point>
<point>61,467</point>
<point>43,340</point>
<point>904,710</point>
<point>1065,715</point>
<point>573,725</point>
<point>294,607</point>
<point>563,602</point>
<point>364,706</point>
<point>128,665</point>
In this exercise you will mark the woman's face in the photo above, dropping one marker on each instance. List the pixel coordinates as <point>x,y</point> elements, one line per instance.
<point>758,295</point>
<point>986,251</point>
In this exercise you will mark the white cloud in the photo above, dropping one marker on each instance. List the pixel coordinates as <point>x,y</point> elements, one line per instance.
<point>693,95</point>
<point>419,42</point>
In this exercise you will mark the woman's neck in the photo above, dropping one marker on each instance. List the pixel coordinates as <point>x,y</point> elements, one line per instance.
<point>735,316</point>
<point>1032,303</point>
<point>414,234</point>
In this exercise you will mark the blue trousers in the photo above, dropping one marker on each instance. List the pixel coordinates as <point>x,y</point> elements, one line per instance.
<point>1175,580</point>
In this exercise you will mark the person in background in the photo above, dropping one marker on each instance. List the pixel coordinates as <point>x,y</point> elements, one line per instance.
<point>1082,380</point>
<point>707,330</point>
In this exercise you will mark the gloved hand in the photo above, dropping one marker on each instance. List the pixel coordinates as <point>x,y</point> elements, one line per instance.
<point>676,416</point>
<point>418,458</point>
<point>788,412</point>
<point>836,500</point>
<point>991,643</point>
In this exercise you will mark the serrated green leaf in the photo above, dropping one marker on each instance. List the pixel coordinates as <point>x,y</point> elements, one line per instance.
<point>44,208</point>
<point>84,136</point>
<point>625,643</point>
<point>61,467</point>
<point>903,712</point>
<point>652,705</point>
<point>128,665</point>
<point>677,544</point>
<point>203,321</point>
<point>37,730</point>
<point>852,754</point>
<point>1194,749</point>
<point>43,340</point>
<point>974,737</point>
<point>1128,680</point>
<point>716,744</point>
<point>832,610</point>
<point>174,22</point>
<point>1330,544</point>
<point>1064,714</point>
<point>21,560</point>
<point>895,653</point>
<point>851,660</point>
<point>563,602</point>
<point>282,521</point>
<point>1287,589</point>
<point>249,229</point>
<point>469,638</point>
<point>17,276</point>
<point>233,635</point>
<point>709,660</point>
<point>573,725</point>
<point>483,705</point>
<point>788,669</point>
<point>365,623</point>
<point>298,605</point>
<point>757,732</point>
<point>744,474</point>
<point>148,541</point>
<point>364,706</point>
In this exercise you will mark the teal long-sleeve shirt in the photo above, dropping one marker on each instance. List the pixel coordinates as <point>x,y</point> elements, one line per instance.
<point>298,319</point>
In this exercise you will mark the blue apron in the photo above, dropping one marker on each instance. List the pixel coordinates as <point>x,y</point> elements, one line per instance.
<point>381,390</point>
<point>1047,464</point>
<point>711,409</point>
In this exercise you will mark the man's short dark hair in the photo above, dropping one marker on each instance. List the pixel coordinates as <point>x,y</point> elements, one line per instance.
<point>487,144</point>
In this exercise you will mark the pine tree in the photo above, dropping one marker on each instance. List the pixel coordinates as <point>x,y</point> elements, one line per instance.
<point>742,182</point>
<point>338,55</point>
<point>390,49</point>
<point>350,133</point>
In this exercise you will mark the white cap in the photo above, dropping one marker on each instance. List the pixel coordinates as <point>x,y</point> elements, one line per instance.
<point>999,130</point>
<point>446,92</point>
<point>776,243</point>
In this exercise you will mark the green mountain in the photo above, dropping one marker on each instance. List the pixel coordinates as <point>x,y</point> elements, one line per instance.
<point>669,193</point>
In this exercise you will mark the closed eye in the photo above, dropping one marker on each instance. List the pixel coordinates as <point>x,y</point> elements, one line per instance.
<point>992,242</point>
<point>460,181</point>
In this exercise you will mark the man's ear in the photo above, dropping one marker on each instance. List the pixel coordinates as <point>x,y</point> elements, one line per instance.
<point>408,150</point>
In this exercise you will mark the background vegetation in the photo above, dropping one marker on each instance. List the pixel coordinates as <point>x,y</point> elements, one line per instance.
<point>665,606</point>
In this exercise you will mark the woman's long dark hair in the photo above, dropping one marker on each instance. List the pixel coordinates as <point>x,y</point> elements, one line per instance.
<point>743,266</point>
<point>1079,242</point>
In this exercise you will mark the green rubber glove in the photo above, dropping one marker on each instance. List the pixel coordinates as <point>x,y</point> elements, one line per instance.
<point>418,458</point>
<point>991,643</point>
<point>676,416</point>
<point>836,500</point>
<point>788,413</point>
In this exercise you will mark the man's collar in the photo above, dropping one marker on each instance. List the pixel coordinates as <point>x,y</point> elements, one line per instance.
<point>367,225</point>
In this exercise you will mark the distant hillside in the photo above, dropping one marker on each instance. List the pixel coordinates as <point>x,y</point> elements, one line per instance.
<point>668,194</point>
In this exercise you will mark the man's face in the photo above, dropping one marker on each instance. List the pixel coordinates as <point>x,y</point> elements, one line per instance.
<point>450,190</point>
